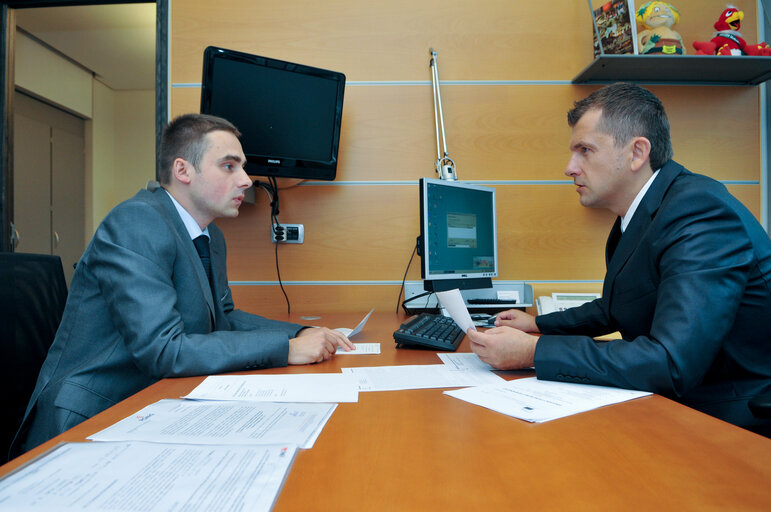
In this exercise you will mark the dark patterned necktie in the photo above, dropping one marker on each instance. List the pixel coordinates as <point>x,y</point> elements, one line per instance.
<point>202,246</point>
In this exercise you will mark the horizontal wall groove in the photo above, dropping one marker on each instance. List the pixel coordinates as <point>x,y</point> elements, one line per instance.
<point>340,183</point>
<point>398,283</point>
<point>398,83</point>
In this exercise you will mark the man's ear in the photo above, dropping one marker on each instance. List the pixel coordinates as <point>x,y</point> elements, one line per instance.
<point>181,170</point>
<point>641,152</point>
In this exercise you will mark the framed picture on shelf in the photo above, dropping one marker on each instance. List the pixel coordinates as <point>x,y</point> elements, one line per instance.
<point>614,28</point>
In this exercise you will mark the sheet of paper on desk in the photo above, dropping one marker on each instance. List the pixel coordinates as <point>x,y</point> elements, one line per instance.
<point>193,422</point>
<point>350,333</point>
<point>464,361</point>
<point>361,349</point>
<point>393,378</point>
<point>453,302</point>
<point>151,477</point>
<point>301,387</point>
<point>537,401</point>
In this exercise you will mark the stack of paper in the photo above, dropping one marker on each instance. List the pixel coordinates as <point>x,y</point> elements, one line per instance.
<point>151,477</point>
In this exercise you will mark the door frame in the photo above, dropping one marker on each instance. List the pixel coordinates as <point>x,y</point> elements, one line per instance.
<point>7,42</point>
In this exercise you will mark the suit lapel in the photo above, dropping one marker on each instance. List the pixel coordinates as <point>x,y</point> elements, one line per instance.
<point>183,239</point>
<point>637,228</point>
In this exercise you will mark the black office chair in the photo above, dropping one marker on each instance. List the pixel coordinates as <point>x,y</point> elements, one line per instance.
<point>32,296</point>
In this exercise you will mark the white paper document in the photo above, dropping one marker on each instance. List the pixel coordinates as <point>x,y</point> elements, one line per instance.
<point>361,349</point>
<point>149,477</point>
<point>537,401</point>
<point>464,361</point>
<point>510,295</point>
<point>193,422</point>
<point>392,378</point>
<point>301,387</point>
<point>350,333</point>
<point>453,302</point>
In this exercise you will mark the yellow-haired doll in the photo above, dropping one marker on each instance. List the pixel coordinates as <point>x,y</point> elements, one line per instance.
<point>658,36</point>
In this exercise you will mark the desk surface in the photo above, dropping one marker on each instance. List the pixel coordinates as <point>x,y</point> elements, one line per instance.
<point>422,450</point>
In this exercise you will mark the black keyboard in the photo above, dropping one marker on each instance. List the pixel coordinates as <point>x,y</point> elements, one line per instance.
<point>491,301</point>
<point>427,330</point>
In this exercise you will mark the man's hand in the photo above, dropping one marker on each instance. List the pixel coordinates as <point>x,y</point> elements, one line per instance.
<point>516,319</point>
<point>504,348</point>
<point>316,344</point>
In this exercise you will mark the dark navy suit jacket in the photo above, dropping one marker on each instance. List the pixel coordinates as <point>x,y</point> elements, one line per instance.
<point>689,288</point>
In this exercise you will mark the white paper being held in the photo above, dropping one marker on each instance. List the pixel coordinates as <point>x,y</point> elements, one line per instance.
<point>453,302</point>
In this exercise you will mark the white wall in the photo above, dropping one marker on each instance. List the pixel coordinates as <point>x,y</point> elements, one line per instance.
<point>120,125</point>
<point>134,141</point>
<point>45,74</point>
<point>102,133</point>
<point>123,131</point>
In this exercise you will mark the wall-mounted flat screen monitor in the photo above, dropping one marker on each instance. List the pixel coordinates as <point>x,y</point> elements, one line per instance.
<point>289,114</point>
<point>458,242</point>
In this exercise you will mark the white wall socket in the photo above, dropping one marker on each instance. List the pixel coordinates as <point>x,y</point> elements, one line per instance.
<point>287,233</point>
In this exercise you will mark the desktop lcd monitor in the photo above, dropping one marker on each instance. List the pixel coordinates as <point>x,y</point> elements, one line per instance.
<point>289,114</point>
<point>458,242</point>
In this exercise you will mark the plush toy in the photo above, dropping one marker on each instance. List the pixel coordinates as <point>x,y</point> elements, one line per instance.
<point>658,36</point>
<point>728,40</point>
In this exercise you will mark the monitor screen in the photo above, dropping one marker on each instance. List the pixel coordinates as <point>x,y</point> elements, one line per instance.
<point>289,114</point>
<point>458,242</point>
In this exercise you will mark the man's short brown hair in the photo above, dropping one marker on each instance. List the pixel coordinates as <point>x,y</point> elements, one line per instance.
<point>185,137</point>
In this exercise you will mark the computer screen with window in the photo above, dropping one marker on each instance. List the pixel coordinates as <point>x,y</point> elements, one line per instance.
<point>458,242</point>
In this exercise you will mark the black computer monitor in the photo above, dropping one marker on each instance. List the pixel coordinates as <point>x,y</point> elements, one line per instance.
<point>458,243</point>
<point>289,114</point>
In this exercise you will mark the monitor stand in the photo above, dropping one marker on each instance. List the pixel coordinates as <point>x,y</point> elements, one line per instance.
<point>442,285</point>
<point>472,297</point>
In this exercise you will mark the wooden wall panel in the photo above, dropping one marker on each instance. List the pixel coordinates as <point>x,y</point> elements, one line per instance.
<point>359,236</point>
<point>385,41</point>
<point>315,299</point>
<point>520,132</point>
<point>368,233</point>
<point>749,195</point>
<point>543,233</point>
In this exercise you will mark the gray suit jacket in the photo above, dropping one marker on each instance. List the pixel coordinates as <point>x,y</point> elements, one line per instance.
<point>140,309</point>
<point>689,288</point>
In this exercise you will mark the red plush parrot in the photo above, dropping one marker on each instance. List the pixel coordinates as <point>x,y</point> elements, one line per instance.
<point>728,40</point>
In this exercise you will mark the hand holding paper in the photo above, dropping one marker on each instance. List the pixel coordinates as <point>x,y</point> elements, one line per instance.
<point>453,302</point>
<point>504,348</point>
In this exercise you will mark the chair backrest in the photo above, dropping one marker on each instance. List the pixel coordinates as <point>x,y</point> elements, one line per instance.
<point>32,296</point>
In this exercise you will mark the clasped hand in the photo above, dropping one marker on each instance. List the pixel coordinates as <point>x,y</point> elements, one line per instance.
<point>316,344</point>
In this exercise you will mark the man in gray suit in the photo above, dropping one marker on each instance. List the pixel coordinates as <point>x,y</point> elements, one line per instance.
<point>141,306</point>
<point>688,282</point>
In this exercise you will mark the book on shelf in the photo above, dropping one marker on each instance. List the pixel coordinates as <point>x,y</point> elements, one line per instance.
<point>614,22</point>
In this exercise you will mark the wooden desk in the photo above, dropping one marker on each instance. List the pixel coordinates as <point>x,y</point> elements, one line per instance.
<point>422,450</point>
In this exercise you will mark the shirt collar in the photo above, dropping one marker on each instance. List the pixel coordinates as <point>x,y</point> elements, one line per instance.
<point>626,219</point>
<point>193,229</point>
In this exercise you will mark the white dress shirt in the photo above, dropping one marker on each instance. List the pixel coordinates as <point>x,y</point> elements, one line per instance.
<point>626,219</point>
<point>192,226</point>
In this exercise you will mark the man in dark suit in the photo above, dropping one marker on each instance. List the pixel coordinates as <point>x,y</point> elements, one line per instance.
<point>142,306</point>
<point>688,282</point>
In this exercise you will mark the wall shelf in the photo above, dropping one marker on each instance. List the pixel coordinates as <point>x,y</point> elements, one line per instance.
<point>676,69</point>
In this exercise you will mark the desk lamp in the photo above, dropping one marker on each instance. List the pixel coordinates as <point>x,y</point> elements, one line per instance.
<point>445,167</point>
